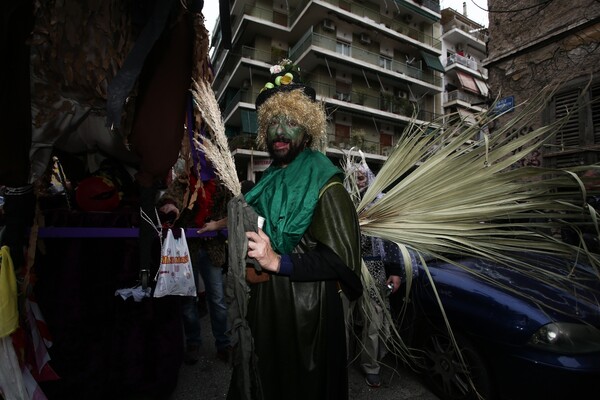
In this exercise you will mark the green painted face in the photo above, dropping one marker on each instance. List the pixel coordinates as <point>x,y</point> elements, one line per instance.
<point>285,139</point>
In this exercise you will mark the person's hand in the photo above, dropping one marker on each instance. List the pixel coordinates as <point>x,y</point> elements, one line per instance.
<point>212,226</point>
<point>396,280</point>
<point>259,248</point>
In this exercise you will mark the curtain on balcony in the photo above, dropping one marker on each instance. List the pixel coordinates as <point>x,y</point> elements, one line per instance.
<point>467,82</point>
<point>249,122</point>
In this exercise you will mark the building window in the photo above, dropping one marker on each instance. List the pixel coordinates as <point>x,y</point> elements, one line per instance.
<point>385,143</point>
<point>578,139</point>
<point>385,62</point>
<point>343,48</point>
<point>342,136</point>
<point>249,122</point>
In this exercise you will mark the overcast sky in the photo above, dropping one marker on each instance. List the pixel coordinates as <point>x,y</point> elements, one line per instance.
<point>475,10</point>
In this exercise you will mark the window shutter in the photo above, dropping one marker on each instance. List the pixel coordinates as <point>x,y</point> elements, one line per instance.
<point>568,135</point>
<point>595,110</point>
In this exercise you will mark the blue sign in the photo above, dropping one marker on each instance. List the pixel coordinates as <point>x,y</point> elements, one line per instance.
<point>504,105</point>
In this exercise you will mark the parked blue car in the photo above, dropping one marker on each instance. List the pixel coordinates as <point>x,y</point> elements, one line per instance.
<point>527,340</point>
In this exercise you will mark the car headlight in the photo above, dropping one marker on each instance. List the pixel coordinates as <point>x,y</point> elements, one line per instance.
<point>567,338</point>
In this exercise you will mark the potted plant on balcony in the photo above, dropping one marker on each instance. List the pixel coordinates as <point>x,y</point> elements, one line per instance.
<point>387,100</point>
<point>403,106</point>
<point>360,97</point>
<point>357,138</point>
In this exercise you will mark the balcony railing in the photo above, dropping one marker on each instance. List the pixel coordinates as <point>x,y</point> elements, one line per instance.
<point>433,5</point>
<point>359,54</point>
<point>373,16</point>
<point>267,14</point>
<point>467,62</point>
<point>455,23</point>
<point>383,102</point>
<point>457,95</point>
<point>397,106</point>
<point>367,146</point>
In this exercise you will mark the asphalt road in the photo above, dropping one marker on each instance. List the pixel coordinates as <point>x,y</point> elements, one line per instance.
<point>209,379</point>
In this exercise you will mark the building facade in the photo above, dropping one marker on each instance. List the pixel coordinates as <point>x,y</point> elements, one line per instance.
<point>537,44</point>
<point>375,65</point>
<point>463,50</point>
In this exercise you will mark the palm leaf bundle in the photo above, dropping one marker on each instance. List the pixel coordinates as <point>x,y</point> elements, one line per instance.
<point>448,196</point>
<point>463,197</point>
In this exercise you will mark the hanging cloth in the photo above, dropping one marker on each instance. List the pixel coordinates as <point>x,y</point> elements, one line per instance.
<point>241,218</point>
<point>9,313</point>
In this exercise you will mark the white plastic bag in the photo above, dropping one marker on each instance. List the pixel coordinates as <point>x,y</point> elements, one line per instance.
<point>175,276</point>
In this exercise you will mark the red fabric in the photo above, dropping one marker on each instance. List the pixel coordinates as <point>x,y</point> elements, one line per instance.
<point>204,200</point>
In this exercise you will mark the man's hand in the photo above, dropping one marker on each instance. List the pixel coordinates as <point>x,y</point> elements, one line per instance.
<point>259,248</point>
<point>396,280</point>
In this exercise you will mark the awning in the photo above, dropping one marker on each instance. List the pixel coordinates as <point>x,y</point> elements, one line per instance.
<point>482,86</point>
<point>467,82</point>
<point>432,61</point>
<point>467,117</point>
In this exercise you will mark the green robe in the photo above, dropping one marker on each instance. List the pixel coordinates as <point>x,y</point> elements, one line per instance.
<point>297,322</point>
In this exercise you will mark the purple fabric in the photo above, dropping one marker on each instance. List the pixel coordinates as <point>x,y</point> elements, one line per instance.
<point>105,347</point>
<point>199,158</point>
<point>100,232</point>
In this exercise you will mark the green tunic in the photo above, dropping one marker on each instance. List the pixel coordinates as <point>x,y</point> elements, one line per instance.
<point>297,322</point>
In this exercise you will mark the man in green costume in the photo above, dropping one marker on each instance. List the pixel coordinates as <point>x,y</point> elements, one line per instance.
<point>309,247</point>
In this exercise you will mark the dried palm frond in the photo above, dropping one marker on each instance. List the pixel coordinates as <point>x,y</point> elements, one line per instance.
<point>448,197</point>
<point>215,145</point>
<point>457,199</point>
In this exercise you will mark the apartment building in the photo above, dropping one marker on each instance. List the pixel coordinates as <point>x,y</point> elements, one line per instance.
<point>465,79</point>
<point>534,45</point>
<point>375,65</point>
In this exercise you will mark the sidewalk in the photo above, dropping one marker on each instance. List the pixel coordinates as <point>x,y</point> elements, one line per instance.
<point>209,379</point>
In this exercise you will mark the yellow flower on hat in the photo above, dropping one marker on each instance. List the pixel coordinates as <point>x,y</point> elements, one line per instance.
<point>287,79</point>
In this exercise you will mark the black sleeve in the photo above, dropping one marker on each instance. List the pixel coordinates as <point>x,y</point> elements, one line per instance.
<point>323,264</point>
<point>392,260</point>
<point>320,264</point>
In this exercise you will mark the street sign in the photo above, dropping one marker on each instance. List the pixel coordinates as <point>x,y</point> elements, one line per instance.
<point>504,105</point>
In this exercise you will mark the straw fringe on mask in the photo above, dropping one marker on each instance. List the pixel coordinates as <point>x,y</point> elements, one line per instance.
<point>299,108</point>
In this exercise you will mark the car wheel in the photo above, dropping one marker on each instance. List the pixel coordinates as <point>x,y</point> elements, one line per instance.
<point>447,375</point>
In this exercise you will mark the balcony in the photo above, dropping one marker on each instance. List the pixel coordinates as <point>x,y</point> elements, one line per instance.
<point>361,56</point>
<point>367,146</point>
<point>375,100</point>
<point>368,15</point>
<point>455,59</point>
<point>466,99</point>
<point>475,32</point>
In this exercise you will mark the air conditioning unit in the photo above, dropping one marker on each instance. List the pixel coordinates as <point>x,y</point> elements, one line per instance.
<point>364,38</point>
<point>342,96</point>
<point>328,25</point>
